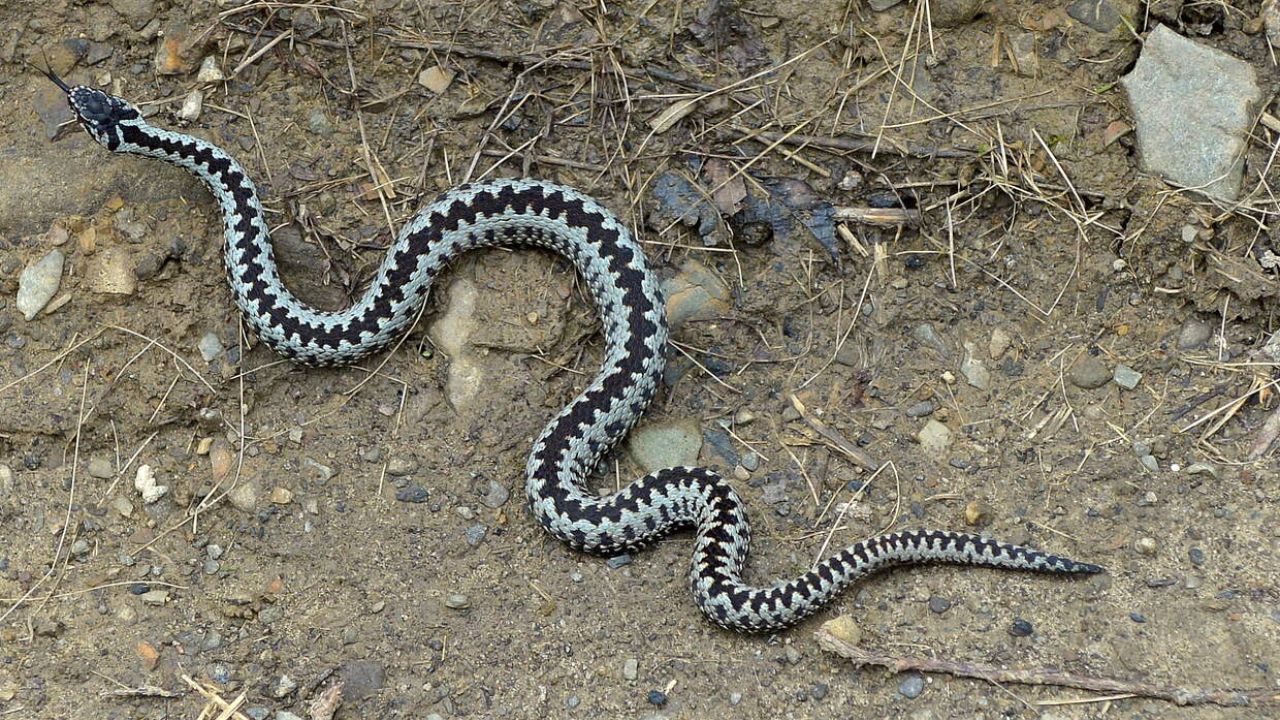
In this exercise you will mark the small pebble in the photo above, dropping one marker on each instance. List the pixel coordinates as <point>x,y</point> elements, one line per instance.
<point>736,697</point>
<point>618,561</point>
<point>751,461</point>
<point>1021,628</point>
<point>192,106</point>
<point>475,534</point>
<point>792,655</point>
<point>939,604</point>
<point>911,686</point>
<point>284,686</point>
<point>1126,377</point>
<point>457,601</point>
<point>1137,617</point>
<point>209,71</point>
<point>923,408</point>
<point>572,702</point>
<point>976,512</point>
<point>658,698</point>
<point>400,466</point>
<point>1197,556</point>
<point>101,468</point>
<point>1195,333</point>
<point>318,470</point>
<point>1145,546</point>
<point>820,691</point>
<point>631,669</point>
<point>497,495</point>
<point>412,494</point>
<point>1089,372</point>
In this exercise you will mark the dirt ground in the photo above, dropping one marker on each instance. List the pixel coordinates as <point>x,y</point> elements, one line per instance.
<point>365,527</point>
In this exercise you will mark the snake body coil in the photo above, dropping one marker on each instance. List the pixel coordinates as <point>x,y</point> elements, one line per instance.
<point>626,294</point>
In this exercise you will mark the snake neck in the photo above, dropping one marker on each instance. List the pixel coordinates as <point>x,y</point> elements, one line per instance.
<point>283,321</point>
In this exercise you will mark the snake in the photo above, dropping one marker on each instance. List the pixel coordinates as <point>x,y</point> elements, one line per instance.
<point>628,298</point>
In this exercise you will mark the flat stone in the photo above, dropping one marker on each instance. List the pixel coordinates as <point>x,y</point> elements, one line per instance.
<point>1193,107</point>
<point>1126,377</point>
<point>1089,372</point>
<point>665,444</point>
<point>973,370</point>
<point>934,437</point>
<point>695,293</point>
<point>39,282</point>
<point>1195,334</point>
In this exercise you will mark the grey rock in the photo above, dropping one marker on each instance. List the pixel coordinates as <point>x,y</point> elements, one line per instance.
<point>1150,463</point>
<point>665,444</point>
<point>925,334</point>
<point>137,13</point>
<point>39,282</point>
<point>1102,15</point>
<point>284,685</point>
<point>939,604</point>
<point>1126,377</point>
<point>934,437</point>
<point>1089,372</point>
<point>475,534</point>
<point>751,461</point>
<point>631,669</point>
<point>911,686</point>
<point>286,715</point>
<point>618,561</point>
<point>973,370</point>
<point>318,123</point>
<point>101,468</point>
<point>413,494</point>
<point>1021,628</point>
<point>924,408</point>
<point>318,470</point>
<point>1193,107</point>
<point>953,13</point>
<point>1195,334</point>
<point>882,5</point>
<point>457,601</point>
<point>497,495</point>
<point>401,465</point>
<point>210,347</point>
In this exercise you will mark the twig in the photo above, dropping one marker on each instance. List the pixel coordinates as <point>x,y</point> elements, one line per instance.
<point>839,442</point>
<point>855,144</point>
<point>1044,676</point>
<point>882,217</point>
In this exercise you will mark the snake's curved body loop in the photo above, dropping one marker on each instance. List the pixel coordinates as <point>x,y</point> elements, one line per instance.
<point>626,294</point>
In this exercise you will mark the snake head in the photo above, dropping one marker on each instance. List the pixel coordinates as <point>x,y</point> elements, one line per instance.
<point>99,113</point>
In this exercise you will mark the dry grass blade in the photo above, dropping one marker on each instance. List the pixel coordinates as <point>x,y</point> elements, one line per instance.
<point>860,656</point>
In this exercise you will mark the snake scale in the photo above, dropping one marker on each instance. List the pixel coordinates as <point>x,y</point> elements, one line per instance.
<point>632,312</point>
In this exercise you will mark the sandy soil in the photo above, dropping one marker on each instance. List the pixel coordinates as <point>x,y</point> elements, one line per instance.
<point>320,525</point>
